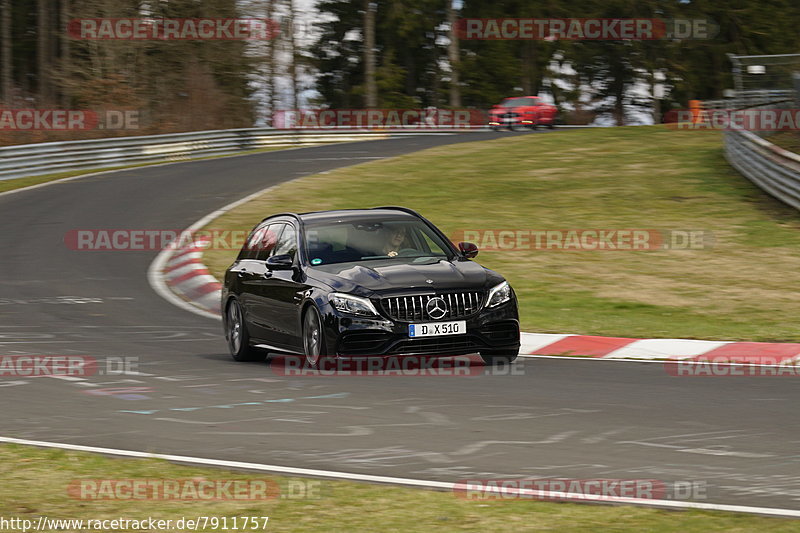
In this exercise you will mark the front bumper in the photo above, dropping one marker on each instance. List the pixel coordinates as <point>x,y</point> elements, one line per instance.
<point>489,329</point>
<point>509,119</point>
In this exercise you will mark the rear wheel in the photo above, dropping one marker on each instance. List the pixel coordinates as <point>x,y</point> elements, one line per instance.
<point>499,357</point>
<point>238,336</point>
<point>313,337</point>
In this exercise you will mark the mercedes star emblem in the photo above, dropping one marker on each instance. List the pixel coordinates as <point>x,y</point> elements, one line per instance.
<point>436,308</point>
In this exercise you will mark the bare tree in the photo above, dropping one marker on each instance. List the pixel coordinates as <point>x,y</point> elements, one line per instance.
<point>371,96</point>
<point>5,50</point>
<point>656,89</point>
<point>269,71</point>
<point>65,52</point>
<point>453,56</point>
<point>293,56</point>
<point>43,51</point>
<point>276,64</point>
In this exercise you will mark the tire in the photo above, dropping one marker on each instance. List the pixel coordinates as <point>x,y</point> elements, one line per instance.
<point>499,357</point>
<point>552,126</point>
<point>238,337</point>
<point>313,338</point>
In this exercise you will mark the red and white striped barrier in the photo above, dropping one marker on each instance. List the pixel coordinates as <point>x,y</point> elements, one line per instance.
<point>187,276</point>
<point>682,349</point>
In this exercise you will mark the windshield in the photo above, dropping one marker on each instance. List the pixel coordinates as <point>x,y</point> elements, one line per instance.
<point>371,239</point>
<point>516,102</point>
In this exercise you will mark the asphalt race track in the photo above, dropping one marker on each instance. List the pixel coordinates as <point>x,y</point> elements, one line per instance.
<point>554,418</point>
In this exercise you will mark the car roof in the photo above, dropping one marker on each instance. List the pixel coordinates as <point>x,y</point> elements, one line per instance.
<point>378,213</point>
<point>361,214</point>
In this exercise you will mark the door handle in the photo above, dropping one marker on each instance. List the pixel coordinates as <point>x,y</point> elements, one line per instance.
<point>241,273</point>
<point>267,274</point>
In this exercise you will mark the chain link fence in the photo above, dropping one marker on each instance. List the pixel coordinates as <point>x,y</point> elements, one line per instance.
<point>762,81</point>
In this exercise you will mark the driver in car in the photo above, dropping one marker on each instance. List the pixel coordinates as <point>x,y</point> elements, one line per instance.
<point>397,236</point>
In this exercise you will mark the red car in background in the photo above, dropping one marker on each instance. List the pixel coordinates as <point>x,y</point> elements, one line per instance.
<point>524,111</point>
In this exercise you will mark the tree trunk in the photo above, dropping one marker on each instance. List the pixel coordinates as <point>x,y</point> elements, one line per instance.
<point>293,57</point>
<point>454,57</point>
<point>371,91</point>
<point>269,69</point>
<point>656,97</point>
<point>433,96</point>
<point>43,52</point>
<point>5,51</point>
<point>527,68</point>
<point>619,102</point>
<point>66,65</point>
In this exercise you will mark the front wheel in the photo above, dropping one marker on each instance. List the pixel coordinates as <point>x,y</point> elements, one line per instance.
<point>499,357</point>
<point>313,337</point>
<point>238,337</point>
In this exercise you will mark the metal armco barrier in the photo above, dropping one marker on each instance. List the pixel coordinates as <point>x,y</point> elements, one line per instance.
<point>773,169</point>
<point>49,158</point>
<point>766,98</point>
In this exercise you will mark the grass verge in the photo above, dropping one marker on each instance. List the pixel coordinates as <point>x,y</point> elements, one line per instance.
<point>35,482</point>
<point>738,286</point>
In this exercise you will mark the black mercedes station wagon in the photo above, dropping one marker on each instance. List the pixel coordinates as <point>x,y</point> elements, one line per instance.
<point>364,282</point>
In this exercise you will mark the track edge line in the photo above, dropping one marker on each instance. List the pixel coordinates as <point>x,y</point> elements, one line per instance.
<point>440,485</point>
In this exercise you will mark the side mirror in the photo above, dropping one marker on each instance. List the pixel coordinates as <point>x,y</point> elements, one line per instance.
<point>468,249</point>
<point>280,262</point>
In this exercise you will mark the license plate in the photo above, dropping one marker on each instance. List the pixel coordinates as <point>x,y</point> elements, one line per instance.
<point>435,329</point>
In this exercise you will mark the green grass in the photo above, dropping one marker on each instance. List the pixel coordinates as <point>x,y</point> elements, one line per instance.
<point>35,482</point>
<point>616,178</point>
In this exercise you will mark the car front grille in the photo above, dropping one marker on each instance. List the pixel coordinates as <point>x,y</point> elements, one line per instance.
<point>412,308</point>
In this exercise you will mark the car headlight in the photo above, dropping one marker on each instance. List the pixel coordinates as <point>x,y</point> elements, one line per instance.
<point>354,305</point>
<point>499,294</point>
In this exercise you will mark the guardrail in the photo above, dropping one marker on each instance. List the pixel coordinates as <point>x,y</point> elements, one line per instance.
<point>751,99</point>
<point>54,157</point>
<point>773,169</point>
